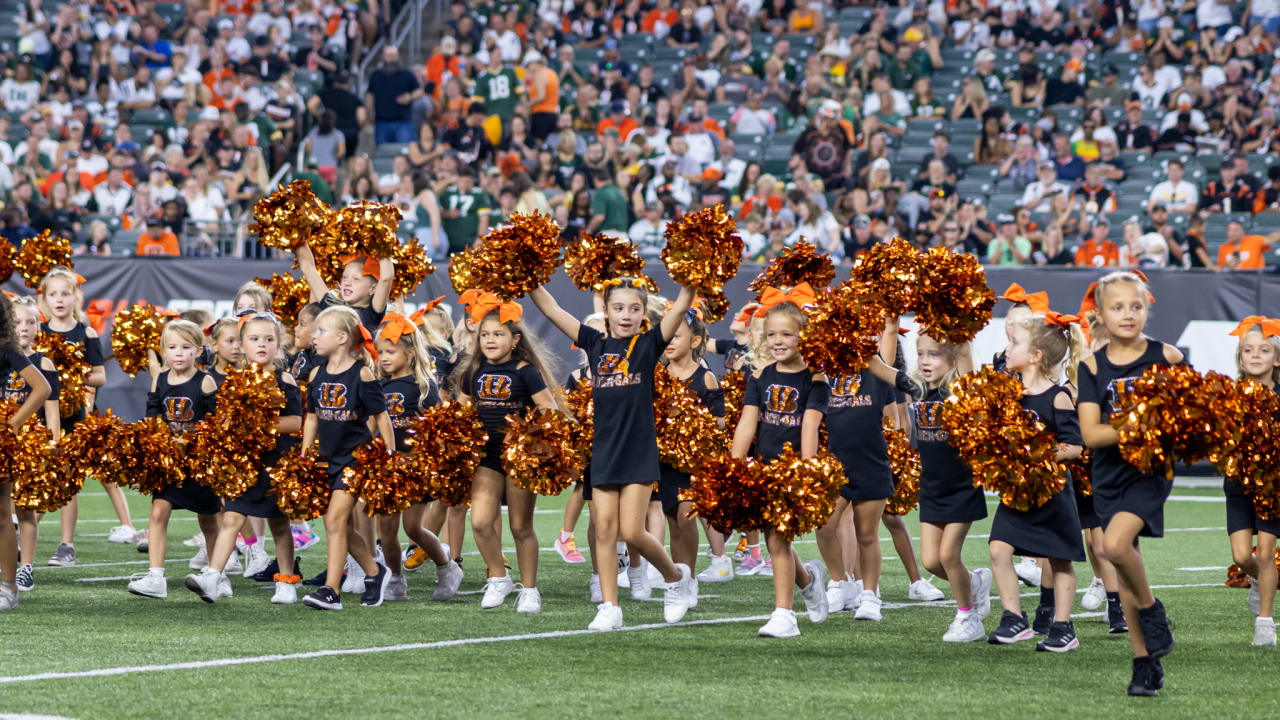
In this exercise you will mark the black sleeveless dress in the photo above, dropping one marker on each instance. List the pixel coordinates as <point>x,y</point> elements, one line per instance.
<point>782,398</point>
<point>343,403</point>
<point>947,494</point>
<point>92,348</point>
<point>624,447</point>
<point>499,391</point>
<point>182,406</point>
<point>17,389</point>
<point>259,501</point>
<point>670,480</point>
<point>855,413</point>
<point>1241,513</point>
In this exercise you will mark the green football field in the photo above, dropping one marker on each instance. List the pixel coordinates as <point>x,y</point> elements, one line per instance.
<point>81,646</point>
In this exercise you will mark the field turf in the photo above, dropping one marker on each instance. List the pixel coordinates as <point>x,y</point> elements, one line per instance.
<point>81,646</point>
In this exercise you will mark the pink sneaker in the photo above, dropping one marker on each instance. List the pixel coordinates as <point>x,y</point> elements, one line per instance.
<point>568,550</point>
<point>751,565</point>
<point>303,536</point>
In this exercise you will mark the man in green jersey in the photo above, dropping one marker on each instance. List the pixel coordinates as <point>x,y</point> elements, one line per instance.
<point>498,88</point>
<point>465,209</point>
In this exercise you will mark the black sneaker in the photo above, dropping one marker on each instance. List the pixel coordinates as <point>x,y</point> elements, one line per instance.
<point>1061,638</point>
<point>1159,670</point>
<point>26,580</point>
<point>1157,630</point>
<point>374,586</point>
<point>1044,617</point>
<point>1013,628</point>
<point>1143,683</point>
<point>1115,616</point>
<point>319,580</point>
<point>323,598</point>
<point>269,574</point>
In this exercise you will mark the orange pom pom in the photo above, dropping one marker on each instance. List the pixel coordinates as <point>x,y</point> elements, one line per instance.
<point>289,295</point>
<point>904,462</point>
<point>800,263</point>
<point>729,494</point>
<point>517,257</point>
<point>703,250</point>
<point>301,486</point>
<point>539,453</point>
<point>843,331</point>
<point>687,431</point>
<point>892,272</point>
<point>593,259</point>
<point>954,301</point>
<point>290,216</point>
<point>40,254</point>
<point>73,370</point>
<point>133,332</point>
<point>450,439</point>
<point>1176,413</point>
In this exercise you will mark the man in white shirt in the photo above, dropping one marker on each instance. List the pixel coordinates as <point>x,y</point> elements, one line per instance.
<point>1150,91</point>
<point>138,92</point>
<point>238,47</point>
<point>871,101</point>
<point>1039,194</point>
<point>670,189</point>
<point>753,118</point>
<point>21,91</point>
<point>104,109</point>
<point>39,139</point>
<point>678,155</point>
<point>654,136</point>
<point>508,42</point>
<point>1176,194</point>
<point>731,166</point>
<point>1166,75</point>
<point>648,232</point>
<point>112,196</point>
<point>1198,121</point>
<point>161,189</point>
<point>261,23</point>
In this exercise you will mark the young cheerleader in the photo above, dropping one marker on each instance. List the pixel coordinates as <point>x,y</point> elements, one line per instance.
<point>365,287</point>
<point>62,303</point>
<point>14,363</point>
<point>182,394</point>
<point>342,396</point>
<point>1036,350</point>
<point>27,320</point>
<point>565,545</point>
<point>1129,503</point>
<point>784,404</point>
<point>624,450</point>
<point>1257,359</point>
<point>505,376</point>
<point>260,337</point>
<point>409,386</point>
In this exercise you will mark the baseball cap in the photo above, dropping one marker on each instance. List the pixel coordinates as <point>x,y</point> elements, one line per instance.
<point>1004,218</point>
<point>1157,206</point>
<point>209,112</point>
<point>913,34</point>
<point>618,107</point>
<point>1110,70</point>
<point>862,221</point>
<point>153,221</point>
<point>533,56</point>
<point>984,55</point>
<point>226,24</point>
<point>712,174</point>
<point>157,165</point>
<point>829,108</point>
<point>448,45</point>
<point>1184,100</point>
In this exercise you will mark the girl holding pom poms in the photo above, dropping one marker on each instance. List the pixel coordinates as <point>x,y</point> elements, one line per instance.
<point>63,306</point>
<point>409,386</point>
<point>13,361</point>
<point>224,340</point>
<point>365,287</point>
<point>343,394</point>
<point>1036,349</point>
<point>27,324</point>
<point>182,395</point>
<point>624,445</point>
<point>260,340</point>
<point>1257,359</point>
<point>784,404</point>
<point>507,374</point>
<point>1129,503</point>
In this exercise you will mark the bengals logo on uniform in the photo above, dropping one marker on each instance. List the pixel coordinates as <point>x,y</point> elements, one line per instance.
<point>15,382</point>
<point>333,396</point>
<point>178,409</point>
<point>395,404</point>
<point>782,398</point>
<point>848,385</point>
<point>493,387</point>
<point>609,364</point>
<point>298,364</point>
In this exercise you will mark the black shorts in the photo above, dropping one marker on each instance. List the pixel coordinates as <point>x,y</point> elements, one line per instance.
<point>670,483</point>
<point>542,124</point>
<point>1241,515</point>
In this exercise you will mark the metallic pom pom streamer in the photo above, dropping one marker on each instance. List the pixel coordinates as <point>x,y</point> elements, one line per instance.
<point>843,332</point>
<point>450,440</point>
<point>301,486</point>
<point>95,448</point>
<point>364,227</point>
<point>954,301</point>
<point>1177,414</point>
<point>734,384</point>
<point>8,256</point>
<point>904,462</point>
<point>1255,464</point>
<point>892,271</point>
<point>687,430</point>
<point>715,305</point>
<point>228,446</point>
<point>40,254</point>
<point>39,482</point>
<point>289,295</point>
<point>155,457</point>
<point>800,263</point>
<point>801,493</point>
<point>412,267</point>
<point>729,494</point>
<point>579,405</point>
<point>1007,447</point>
<point>290,216</point>
<point>539,454</point>
<point>703,250</point>
<point>73,370</point>
<point>593,259</point>
<point>377,479</point>
<point>517,257</point>
<point>133,332</point>
<point>462,274</point>
<point>1238,578</point>
<point>1081,470</point>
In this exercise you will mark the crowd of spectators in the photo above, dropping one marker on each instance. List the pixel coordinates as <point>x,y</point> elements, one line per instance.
<point>1045,132</point>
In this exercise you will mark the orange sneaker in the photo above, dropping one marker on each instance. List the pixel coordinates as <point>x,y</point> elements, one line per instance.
<point>416,559</point>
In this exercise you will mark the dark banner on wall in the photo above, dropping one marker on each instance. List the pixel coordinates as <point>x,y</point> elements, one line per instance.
<point>1193,310</point>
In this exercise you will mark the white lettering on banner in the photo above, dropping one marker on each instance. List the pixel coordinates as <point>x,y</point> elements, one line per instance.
<point>1211,347</point>
<point>224,308</point>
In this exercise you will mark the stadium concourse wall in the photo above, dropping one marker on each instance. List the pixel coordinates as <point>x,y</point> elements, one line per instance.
<point>1193,310</point>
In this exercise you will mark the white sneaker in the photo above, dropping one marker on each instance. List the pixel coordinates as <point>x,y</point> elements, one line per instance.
<point>868,607</point>
<point>720,570</point>
<point>836,599</point>
<point>224,586</point>
<point>815,598</point>
<point>286,594</point>
<point>924,590</point>
<point>397,589</point>
<point>8,598</point>
<point>1028,571</point>
<point>233,565</point>
<point>355,577</point>
<point>693,593</point>
<point>496,590</point>
<point>675,601</point>
<point>200,561</point>
<point>196,540</point>
<point>980,589</point>
<point>1094,596</point>
<point>653,575</point>
<point>529,602</point>
<point>256,560</point>
<point>608,617</point>
<point>121,534</point>
<point>205,584</point>
<point>148,585</point>
<point>1264,632</point>
<point>638,580</point>
<point>448,578</point>
<point>1255,598</point>
<point>964,629</point>
<point>782,624</point>
<point>624,563</point>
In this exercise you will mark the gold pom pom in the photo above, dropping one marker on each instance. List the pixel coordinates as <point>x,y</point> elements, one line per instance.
<point>8,258</point>
<point>714,306</point>
<point>450,440</point>
<point>592,259</point>
<point>954,301</point>
<point>133,332</point>
<point>73,370</point>
<point>39,482</point>
<point>1007,447</point>
<point>290,216</point>
<point>703,250</point>
<point>517,257</point>
<point>377,478</point>
<point>301,486</point>
<point>800,263</point>
<point>729,494</point>
<point>1255,464</point>
<point>229,444</point>
<point>153,455</point>
<point>40,254</point>
<point>892,271</point>
<point>843,331</point>
<point>412,267</point>
<point>1238,578</point>
<point>579,404</point>
<point>904,462</point>
<point>1176,413</point>
<point>734,384</point>
<point>1081,470</point>
<point>539,454</point>
<point>801,494</point>
<point>687,431</point>
<point>462,274</point>
<point>364,227</point>
<point>95,448</point>
<point>289,295</point>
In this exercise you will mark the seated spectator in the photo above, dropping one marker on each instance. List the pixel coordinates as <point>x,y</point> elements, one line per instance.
<point>1093,197</point>
<point>1065,89</point>
<point>991,147</point>
<point>816,225</point>
<point>1142,249</point>
<point>1051,251</point>
<point>753,237</point>
<point>1178,195</point>
<point>157,240</point>
<point>98,241</point>
<point>1069,167</point>
<point>1097,250</point>
<point>941,146</point>
<point>1240,251</point>
<point>1038,194</point>
<point>753,118</point>
<point>1267,199</point>
<point>1021,168</point>
<point>1228,194</point>
<point>779,230</point>
<point>1008,248</point>
<point>1195,252</point>
<point>1133,135</point>
<point>971,101</point>
<point>824,148</point>
<point>647,232</point>
<point>1179,138</point>
<point>1109,93</point>
<point>857,237</point>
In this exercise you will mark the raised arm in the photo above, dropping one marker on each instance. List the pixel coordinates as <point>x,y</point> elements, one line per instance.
<point>675,314</point>
<point>307,264</point>
<point>558,316</point>
<point>382,291</point>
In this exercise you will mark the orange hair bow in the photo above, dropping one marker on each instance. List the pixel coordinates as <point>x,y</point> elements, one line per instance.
<point>1088,303</point>
<point>1037,301</point>
<point>633,282</point>
<point>246,317</point>
<point>370,266</point>
<point>422,311</point>
<point>748,312</point>
<point>488,302</point>
<point>800,296</point>
<point>79,278</point>
<point>396,326</point>
<point>1059,320</point>
<point>10,295</point>
<point>468,297</point>
<point>367,340</point>
<point>1270,327</point>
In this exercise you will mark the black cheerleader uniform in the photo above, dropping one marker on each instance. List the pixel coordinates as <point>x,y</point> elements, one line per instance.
<point>670,480</point>
<point>1117,485</point>
<point>182,406</point>
<point>1051,530</point>
<point>1241,513</point>
<point>947,494</point>
<point>259,501</point>
<point>17,389</point>
<point>624,447</point>
<point>92,348</point>
<point>302,363</point>
<point>343,403</point>
<point>732,351</point>
<point>369,317</point>
<point>782,399</point>
<point>404,402</point>
<point>499,391</point>
<point>443,364</point>
<point>855,413</point>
